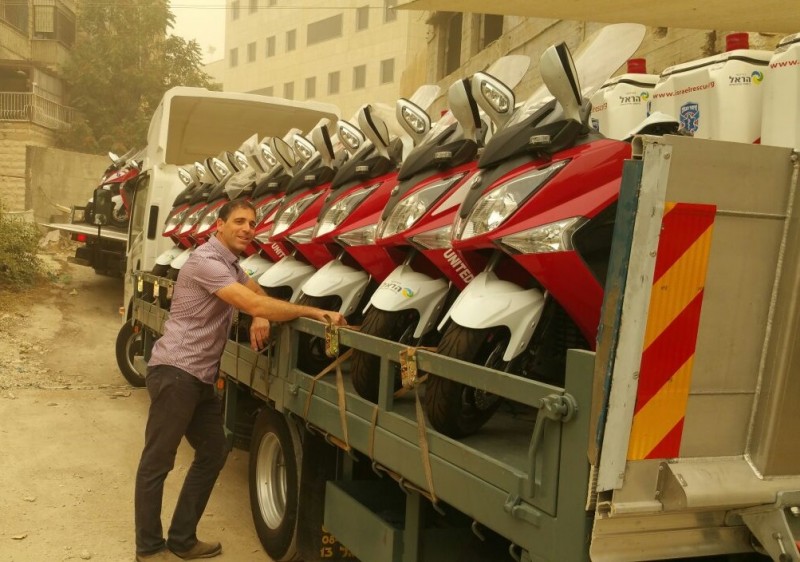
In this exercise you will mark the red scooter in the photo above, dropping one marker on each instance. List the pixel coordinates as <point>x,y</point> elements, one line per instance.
<point>541,211</point>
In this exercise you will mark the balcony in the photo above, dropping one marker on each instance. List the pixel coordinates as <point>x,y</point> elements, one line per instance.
<point>33,108</point>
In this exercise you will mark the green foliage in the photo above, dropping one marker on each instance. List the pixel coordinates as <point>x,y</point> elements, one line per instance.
<point>122,63</point>
<point>19,241</point>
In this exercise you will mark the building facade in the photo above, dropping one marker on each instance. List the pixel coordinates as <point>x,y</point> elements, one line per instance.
<point>358,52</point>
<point>35,40</point>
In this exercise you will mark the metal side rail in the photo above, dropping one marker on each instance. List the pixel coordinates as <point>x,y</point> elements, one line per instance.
<point>528,484</point>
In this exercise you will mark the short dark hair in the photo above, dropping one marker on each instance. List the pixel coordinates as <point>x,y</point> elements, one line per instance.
<point>231,206</point>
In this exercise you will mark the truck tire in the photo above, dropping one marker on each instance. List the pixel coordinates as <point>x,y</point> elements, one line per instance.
<point>311,356</point>
<point>129,345</point>
<point>454,409</point>
<point>365,366</point>
<point>274,477</point>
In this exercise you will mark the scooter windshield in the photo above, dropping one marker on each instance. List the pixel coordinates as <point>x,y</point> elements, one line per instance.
<point>596,60</point>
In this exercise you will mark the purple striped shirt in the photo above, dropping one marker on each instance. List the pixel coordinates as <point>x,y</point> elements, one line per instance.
<point>197,329</point>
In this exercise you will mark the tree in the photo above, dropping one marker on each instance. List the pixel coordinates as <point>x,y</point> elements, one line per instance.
<point>122,63</point>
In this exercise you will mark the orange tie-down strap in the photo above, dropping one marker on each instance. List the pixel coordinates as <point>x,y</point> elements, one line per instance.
<point>671,334</point>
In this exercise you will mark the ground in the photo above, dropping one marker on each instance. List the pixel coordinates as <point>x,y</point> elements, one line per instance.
<point>72,430</point>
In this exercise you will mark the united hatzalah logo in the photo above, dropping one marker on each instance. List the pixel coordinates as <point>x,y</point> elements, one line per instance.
<point>690,116</point>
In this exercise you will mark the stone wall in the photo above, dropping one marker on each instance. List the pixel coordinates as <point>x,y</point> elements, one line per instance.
<point>14,137</point>
<point>58,179</point>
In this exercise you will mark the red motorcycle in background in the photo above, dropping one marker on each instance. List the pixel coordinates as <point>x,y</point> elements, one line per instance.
<point>118,178</point>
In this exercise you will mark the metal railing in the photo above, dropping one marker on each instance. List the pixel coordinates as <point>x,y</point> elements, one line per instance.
<point>27,106</point>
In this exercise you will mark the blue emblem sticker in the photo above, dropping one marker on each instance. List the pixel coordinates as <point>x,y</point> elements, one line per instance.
<point>690,116</point>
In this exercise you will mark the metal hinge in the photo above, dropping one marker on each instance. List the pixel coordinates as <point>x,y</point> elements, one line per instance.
<point>519,510</point>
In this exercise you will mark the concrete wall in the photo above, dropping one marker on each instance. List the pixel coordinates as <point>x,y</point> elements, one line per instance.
<point>59,177</point>
<point>14,137</point>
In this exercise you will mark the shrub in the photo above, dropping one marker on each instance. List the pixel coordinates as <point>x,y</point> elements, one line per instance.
<point>19,242</point>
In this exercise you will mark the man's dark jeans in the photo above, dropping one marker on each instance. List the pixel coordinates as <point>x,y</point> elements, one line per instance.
<point>180,405</point>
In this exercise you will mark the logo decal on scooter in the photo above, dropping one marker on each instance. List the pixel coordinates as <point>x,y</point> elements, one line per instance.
<point>396,287</point>
<point>690,116</point>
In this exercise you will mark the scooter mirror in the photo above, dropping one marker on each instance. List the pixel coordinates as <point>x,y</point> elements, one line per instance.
<point>494,97</point>
<point>414,120</point>
<point>283,154</point>
<point>561,78</point>
<point>375,129</point>
<point>303,148</point>
<point>218,168</point>
<point>113,156</point>
<point>265,156</point>
<point>350,136</point>
<point>464,108</point>
<point>321,138</point>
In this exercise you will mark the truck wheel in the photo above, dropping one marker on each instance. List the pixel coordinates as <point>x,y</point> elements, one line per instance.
<point>365,366</point>
<point>455,409</point>
<point>311,356</point>
<point>275,461</point>
<point>129,345</point>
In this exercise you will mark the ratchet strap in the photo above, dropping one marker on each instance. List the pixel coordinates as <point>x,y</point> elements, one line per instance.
<point>410,380</point>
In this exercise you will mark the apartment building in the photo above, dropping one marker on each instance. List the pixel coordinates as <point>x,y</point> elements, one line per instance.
<point>35,40</point>
<point>356,52</point>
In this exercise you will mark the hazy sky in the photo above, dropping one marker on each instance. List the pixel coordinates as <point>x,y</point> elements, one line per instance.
<point>203,21</point>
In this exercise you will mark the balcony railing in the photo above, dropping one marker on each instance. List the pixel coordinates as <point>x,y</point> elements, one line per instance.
<point>30,107</point>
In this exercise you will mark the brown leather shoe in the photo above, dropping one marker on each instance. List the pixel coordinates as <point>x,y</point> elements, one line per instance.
<point>200,550</point>
<point>164,555</point>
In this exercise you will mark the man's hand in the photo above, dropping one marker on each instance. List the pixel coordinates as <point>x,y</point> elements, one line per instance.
<point>259,333</point>
<point>329,316</point>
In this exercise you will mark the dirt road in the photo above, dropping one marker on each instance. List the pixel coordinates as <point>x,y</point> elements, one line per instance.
<point>72,431</point>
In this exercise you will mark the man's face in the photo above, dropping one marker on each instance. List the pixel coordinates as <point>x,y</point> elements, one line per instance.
<point>237,232</point>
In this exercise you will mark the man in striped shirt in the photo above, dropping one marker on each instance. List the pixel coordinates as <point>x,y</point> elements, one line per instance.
<point>180,379</point>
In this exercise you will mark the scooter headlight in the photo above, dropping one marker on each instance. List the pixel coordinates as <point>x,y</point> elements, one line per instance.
<point>409,209</point>
<point>302,236</point>
<point>290,213</point>
<point>337,212</point>
<point>358,237</point>
<point>553,237</point>
<point>436,239</point>
<point>174,221</point>
<point>208,220</point>
<point>264,210</point>
<point>495,206</point>
<point>191,221</point>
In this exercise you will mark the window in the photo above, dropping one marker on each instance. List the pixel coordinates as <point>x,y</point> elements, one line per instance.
<point>359,76</point>
<point>311,87</point>
<point>333,82</point>
<point>492,29</point>
<point>389,13</point>
<point>235,9</point>
<point>288,90</point>
<point>322,30</point>
<point>362,18</point>
<point>387,71</point>
<point>253,6</point>
<point>15,14</point>
<point>50,20</point>
<point>271,46</point>
<point>291,40</point>
<point>233,57</point>
<point>251,52</point>
<point>452,50</point>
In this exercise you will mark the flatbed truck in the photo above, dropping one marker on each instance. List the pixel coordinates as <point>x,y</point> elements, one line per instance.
<point>663,444</point>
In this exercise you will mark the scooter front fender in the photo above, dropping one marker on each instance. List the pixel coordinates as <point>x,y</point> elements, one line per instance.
<point>255,266</point>
<point>181,258</point>
<point>288,272</point>
<point>166,258</point>
<point>406,289</point>
<point>343,281</point>
<point>488,302</point>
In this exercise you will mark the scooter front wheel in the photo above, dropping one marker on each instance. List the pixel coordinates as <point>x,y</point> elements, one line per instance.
<point>311,357</point>
<point>454,409</point>
<point>389,325</point>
